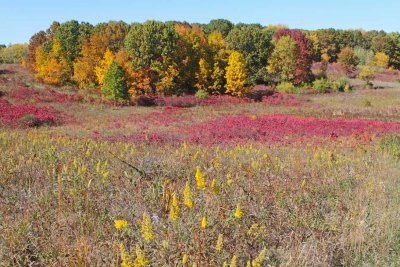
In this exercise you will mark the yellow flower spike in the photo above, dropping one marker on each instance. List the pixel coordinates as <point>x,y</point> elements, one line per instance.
<point>265,156</point>
<point>260,258</point>
<point>224,264</point>
<point>238,212</point>
<point>187,194</point>
<point>165,244</point>
<point>140,257</point>
<point>184,146</point>
<point>214,187</point>
<point>233,261</point>
<point>303,183</point>
<point>120,224</point>
<point>98,166</point>
<point>201,184</point>
<point>184,258</point>
<point>147,228</point>
<point>248,264</point>
<point>174,210</point>
<point>220,243</point>
<point>230,182</point>
<point>204,223</point>
<point>194,264</point>
<point>126,261</point>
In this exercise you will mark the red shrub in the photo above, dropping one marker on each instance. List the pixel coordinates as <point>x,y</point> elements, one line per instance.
<point>27,115</point>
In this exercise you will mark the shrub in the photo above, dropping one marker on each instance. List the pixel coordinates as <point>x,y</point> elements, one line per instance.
<point>366,103</point>
<point>286,87</point>
<point>348,59</point>
<point>145,101</point>
<point>367,74</point>
<point>391,144</point>
<point>342,84</point>
<point>321,85</point>
<point>202,94</point>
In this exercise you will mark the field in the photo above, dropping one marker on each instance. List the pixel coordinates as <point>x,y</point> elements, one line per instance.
<point>291,180</point>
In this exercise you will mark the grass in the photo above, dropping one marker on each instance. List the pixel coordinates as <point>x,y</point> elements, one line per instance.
<point>326,201</point>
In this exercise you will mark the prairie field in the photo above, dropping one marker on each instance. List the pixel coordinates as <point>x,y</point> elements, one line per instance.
<point>289,180</point>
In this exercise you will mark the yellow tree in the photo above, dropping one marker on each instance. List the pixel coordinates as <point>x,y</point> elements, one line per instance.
<point>103,66</point>
<point>41,61</point>
<point>236,74</point>
<point>203,75</point>
<point>220,54</point>
<point>91,54</point>
<point>381,60</point>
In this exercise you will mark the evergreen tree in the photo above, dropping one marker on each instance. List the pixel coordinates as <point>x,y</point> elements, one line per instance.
<point>115,85</point>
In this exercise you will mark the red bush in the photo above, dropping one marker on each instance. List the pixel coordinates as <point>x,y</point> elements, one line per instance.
<point>27,115</point>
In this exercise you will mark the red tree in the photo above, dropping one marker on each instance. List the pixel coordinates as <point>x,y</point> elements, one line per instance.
<point>304,61</point>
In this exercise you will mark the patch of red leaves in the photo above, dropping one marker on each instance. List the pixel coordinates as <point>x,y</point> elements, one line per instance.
<point>265,129</point>
<point>46,96</point>
<point>27,115</point>
<point>279,99</point>
<point>191,100</point>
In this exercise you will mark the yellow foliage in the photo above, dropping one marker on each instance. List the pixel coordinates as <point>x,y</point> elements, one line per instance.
<point>236,74</point>
<point>104,64</point>
<point>381,60</point>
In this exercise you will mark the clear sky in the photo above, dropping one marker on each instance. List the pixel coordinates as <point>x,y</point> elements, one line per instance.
<point>20,19</point>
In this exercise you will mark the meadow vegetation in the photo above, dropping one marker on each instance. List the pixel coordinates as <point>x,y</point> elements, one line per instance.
<point>175,144</point>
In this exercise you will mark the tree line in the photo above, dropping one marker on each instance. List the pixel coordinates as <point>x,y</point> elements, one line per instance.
<point>174,58</point>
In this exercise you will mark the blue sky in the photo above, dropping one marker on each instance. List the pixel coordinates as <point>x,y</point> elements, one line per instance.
<point>20,19</point>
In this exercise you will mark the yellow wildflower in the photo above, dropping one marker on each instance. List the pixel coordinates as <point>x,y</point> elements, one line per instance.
<point>120,224</point>
<point>233,261</point>
<point>194,264</point>
<point>147,228</point>
<point>204,223</point>
<point>214,187</point>
<point>140,258</point>
<point>303,183</point>
<point>174,210</point>
<point>220,243</point>
<point>187,194</point>
<point>238,212</point>
<point>260,258</point>
<point>126,261</point>
<point>184,258</point>
<point>201,184</point>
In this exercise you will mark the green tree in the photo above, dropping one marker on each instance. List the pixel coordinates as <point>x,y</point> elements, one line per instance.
<point>282,62</point>
<point>115,85</point>
<point>14,54</point>
<point>254,44</point>
<point>222,26</point>
<point>148,45</point>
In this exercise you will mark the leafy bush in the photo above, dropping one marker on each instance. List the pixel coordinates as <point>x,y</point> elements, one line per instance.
<point>367,74</point>
<point>202,94</point>
<point>145,101</point>
<point>321,85</point>
<point>391,144</point>
<point>286,87</point>
<point>366,103</point>
<point>342,84</point>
